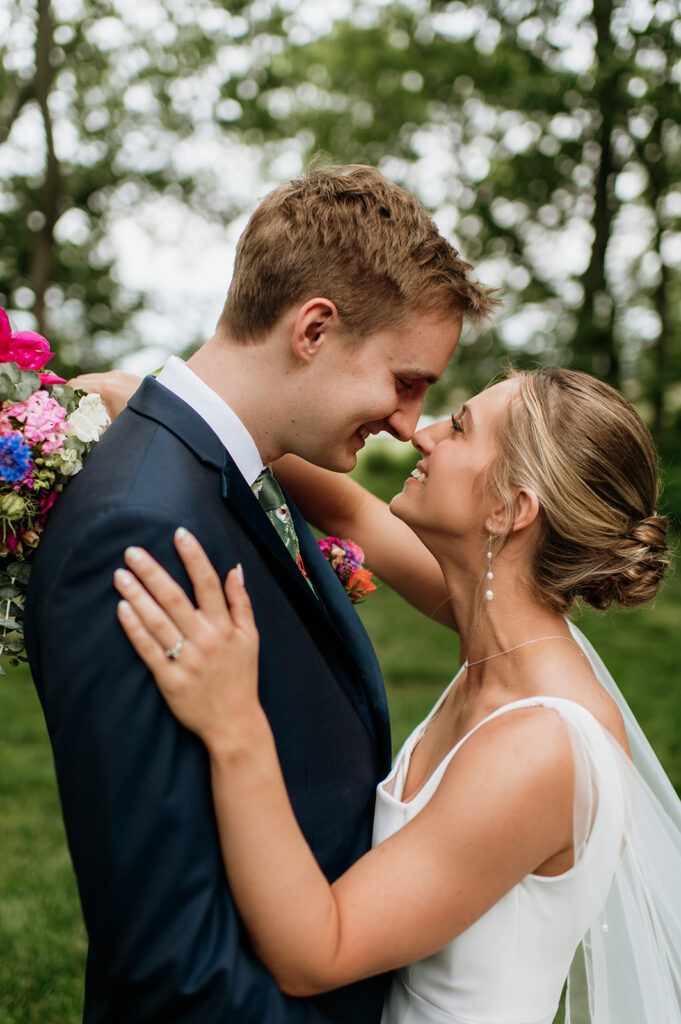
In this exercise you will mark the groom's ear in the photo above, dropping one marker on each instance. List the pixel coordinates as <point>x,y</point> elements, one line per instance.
<point>310,326</point>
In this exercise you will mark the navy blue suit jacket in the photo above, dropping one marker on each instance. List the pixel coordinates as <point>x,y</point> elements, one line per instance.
<point>166,944</point>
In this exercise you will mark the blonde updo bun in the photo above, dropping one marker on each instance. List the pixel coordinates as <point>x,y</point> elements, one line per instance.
<point>586,453</point>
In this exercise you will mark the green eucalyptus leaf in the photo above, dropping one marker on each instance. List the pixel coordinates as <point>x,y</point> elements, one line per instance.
<point>10,372</point>
<point>7,624</point>
<point>9,592</point>
<point>19,571</point>
<point>65,395</point>
<point>71,441</point>
<point>28,383</point>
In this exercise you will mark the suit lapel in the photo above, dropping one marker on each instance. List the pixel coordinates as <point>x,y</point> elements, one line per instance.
<point>332,607</point>
<point>348,624</point>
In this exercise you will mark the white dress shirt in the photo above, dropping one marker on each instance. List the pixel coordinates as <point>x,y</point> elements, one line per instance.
<point>223,421</point>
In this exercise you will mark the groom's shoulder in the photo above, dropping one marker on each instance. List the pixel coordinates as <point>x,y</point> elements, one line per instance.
<point>145,460</point>
<point>141,472</point>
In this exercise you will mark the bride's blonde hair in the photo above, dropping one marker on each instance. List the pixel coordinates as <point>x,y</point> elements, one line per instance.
<point>586,453</point>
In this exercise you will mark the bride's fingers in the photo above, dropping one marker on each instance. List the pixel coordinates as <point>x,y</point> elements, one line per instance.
<point>165,591</point>
<point>206,582</point>
<point>240,607</point>
<point>142,641</point>
<point>158,624</point>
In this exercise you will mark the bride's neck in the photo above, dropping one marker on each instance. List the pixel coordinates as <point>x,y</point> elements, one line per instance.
<point>512,616</point>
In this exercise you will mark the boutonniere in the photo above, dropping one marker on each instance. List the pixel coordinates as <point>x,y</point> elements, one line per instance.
<point>346,559</point>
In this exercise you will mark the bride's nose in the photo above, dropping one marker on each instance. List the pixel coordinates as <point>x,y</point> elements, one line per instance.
<point>424,440</point>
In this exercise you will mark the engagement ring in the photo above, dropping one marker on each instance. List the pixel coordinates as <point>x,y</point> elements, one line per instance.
<point>174,652</point>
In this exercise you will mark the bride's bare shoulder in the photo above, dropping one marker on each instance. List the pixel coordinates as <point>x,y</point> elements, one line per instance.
<point>578,683</point>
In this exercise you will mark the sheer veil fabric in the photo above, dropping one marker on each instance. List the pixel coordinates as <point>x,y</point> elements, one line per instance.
<point>627,969</point>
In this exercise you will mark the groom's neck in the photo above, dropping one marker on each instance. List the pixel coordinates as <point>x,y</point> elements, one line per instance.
<point>245,376</point>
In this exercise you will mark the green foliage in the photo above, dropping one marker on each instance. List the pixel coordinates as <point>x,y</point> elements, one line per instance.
<point>535,152</point>
<point>41,931</point>
<point>531,154</point>
<point>17,385</point>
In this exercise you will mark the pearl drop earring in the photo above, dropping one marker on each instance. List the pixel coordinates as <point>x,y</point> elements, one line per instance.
<point>489,593</point>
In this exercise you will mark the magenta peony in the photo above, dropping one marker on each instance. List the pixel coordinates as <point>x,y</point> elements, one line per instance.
<point>30,351</point>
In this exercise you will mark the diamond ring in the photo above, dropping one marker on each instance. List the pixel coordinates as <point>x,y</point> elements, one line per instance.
<point>173,653</point>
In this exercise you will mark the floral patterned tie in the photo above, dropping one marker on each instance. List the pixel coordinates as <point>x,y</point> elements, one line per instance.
<point>268,492</point>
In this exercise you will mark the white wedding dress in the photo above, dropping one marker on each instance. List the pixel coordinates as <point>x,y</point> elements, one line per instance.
<point>510,966</point>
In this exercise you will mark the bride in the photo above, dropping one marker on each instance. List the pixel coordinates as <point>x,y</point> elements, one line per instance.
<point>514,840</point>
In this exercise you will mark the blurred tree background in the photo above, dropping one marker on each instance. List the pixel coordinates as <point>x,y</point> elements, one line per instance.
<point>545,136</point>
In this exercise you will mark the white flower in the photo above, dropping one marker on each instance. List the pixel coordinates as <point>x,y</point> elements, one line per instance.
<point>89,421</point>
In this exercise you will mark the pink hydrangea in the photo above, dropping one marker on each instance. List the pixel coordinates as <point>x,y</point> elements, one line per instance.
<point>30,351</point>
<point>43,417</point>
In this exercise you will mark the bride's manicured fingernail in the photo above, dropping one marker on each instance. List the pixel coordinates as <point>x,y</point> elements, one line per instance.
<point>181,535</point>
<point>132,554</point>
<point>122,578</point>
<point>240,574</point>
<point>124,609</point>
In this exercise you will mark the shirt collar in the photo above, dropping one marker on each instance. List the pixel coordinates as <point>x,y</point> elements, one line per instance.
<point>183,382</point>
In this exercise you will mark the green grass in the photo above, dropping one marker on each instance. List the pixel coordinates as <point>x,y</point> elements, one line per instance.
<point>42,940</point>
<point>42,937</point>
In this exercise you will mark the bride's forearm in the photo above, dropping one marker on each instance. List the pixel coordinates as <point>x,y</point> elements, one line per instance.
<point>284,899</point>
<point>337,505</point>
<point>330,501</point>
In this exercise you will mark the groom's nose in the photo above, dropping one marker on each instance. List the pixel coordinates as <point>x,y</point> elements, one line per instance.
<point>402,422</point>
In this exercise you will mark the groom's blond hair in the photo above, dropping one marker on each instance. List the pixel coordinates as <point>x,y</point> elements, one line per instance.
<point>352,236</point>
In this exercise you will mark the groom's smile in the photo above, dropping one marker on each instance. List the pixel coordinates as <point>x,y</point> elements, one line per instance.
<point>373,385</point>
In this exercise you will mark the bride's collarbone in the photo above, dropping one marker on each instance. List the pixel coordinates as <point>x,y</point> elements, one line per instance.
<point>458,716</point>
<point>449,725</point>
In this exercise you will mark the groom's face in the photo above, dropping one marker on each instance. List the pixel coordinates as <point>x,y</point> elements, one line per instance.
<point>375,385</point>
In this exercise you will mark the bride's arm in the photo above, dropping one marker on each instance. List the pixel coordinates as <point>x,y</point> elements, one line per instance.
<point>115,387</point>
<point>500,811</point>
<point>340,506</point>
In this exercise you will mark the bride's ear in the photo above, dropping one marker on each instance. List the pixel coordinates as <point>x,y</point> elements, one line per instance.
<point>525,511</point>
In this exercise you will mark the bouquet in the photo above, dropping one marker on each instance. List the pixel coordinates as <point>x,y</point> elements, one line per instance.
<point>46,429</point>
<point>346,559</point>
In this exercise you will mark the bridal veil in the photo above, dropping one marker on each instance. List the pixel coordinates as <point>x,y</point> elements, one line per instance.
<point>627,969</point>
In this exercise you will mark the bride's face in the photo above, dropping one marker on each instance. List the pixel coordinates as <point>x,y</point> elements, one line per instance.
<point>446,500</point>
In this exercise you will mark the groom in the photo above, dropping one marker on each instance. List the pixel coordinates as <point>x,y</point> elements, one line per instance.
<point>344,306</point>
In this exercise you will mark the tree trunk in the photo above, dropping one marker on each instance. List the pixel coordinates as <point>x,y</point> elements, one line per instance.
<point>658,182</point>
<point>42,260</point>
<point>595,342</point>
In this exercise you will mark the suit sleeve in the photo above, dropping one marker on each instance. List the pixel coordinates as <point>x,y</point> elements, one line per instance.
<point>137,804</point>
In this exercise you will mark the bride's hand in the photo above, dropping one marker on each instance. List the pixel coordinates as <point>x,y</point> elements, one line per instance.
<point>115,388</point>
<point>211,682</point>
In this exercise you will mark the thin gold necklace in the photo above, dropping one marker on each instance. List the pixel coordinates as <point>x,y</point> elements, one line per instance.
<point>499,654</point>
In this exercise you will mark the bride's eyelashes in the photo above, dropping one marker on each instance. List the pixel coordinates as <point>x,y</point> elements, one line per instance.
<point>456,425</point>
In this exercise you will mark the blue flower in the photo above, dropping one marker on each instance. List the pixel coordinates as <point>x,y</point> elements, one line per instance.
<point>15,458</point>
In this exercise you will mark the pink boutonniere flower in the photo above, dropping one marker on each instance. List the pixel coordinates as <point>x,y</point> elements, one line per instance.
<point>346,559</point>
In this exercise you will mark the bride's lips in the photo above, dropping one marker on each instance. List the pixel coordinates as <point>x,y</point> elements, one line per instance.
<point>419,473</point>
